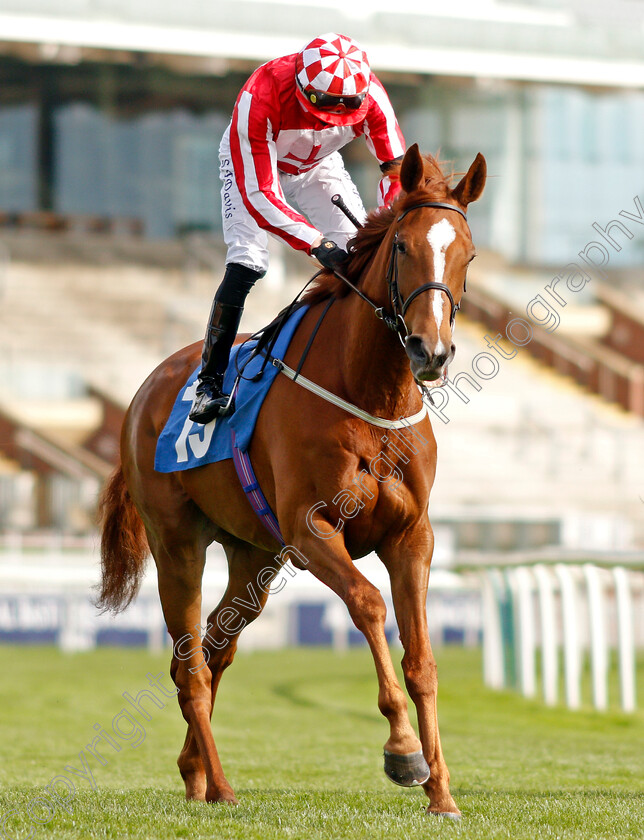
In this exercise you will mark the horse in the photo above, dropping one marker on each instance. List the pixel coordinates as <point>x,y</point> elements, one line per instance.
<point>339,487</point>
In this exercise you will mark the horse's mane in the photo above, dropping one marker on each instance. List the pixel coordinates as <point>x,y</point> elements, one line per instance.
<point>364,244</point>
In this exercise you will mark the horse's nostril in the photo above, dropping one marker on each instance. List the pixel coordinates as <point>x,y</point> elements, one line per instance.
<point>416,349</point>
<point>453,349</point>
<point>420,355</point>
<point>439,361</point>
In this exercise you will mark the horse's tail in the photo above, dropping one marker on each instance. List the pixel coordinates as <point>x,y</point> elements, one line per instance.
<point>124,545</point>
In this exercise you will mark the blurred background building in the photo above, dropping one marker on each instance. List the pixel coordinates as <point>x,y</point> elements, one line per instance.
<point>110,250</point>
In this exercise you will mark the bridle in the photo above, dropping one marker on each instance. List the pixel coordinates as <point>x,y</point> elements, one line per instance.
<point>395,319</point>
<point>399,305</point>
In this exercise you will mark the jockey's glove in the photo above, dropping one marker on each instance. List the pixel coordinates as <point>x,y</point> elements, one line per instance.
<point>329,254</point>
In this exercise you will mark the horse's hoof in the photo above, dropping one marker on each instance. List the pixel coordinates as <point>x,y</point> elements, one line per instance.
<point>406,770</point>
<point>446,815</point>
<point>223,798</point>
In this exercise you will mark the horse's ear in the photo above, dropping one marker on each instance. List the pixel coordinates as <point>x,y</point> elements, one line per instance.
<point>470,187</point>
<point>412,170</point>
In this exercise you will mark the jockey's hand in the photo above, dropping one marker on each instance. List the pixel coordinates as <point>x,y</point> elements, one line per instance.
<point>330,255</point>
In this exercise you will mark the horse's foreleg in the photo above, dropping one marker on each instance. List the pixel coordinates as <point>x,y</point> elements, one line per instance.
<point>180,568</point>
<point>408,565</point>
<point>329,561</point>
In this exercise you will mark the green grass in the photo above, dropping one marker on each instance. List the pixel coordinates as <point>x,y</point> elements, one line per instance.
<point>301,739</point>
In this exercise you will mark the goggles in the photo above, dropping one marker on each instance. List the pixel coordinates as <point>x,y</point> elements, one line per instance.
<point>329,102</point>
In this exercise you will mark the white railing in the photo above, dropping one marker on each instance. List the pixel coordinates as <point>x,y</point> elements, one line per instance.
<point>565,612</point>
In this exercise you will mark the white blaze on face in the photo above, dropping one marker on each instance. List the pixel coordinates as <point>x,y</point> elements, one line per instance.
<point>440,236</point>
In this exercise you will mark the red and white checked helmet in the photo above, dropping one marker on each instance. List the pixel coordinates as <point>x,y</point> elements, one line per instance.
<point>332,74</point>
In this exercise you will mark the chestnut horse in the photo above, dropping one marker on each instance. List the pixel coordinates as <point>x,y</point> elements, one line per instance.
<point>408,263</point>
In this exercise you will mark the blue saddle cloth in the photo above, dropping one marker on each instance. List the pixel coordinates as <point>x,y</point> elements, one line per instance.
<point>183,444</point>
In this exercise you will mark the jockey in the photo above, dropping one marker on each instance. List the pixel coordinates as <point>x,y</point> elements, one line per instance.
<point>290,119</point>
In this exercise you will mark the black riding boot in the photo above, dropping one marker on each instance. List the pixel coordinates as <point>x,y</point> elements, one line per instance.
<point>225,315</point>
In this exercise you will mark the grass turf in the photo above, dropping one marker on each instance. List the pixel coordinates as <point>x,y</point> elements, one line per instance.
<point>300,738</point>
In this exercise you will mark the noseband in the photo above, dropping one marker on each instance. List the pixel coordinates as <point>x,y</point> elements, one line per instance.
<point>400,306</point>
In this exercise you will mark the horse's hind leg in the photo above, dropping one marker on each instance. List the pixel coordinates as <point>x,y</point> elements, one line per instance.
<point>180,562</point>
<point>249,575</point>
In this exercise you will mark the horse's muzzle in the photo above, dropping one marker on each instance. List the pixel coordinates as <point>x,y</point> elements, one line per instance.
<point>427,366</point>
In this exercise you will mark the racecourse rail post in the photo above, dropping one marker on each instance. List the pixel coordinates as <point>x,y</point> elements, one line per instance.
<point>562,611</point>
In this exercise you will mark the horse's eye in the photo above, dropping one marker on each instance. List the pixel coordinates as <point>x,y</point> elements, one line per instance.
<point>400,247</point>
